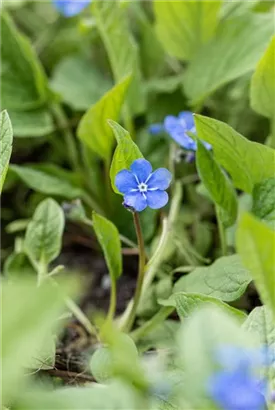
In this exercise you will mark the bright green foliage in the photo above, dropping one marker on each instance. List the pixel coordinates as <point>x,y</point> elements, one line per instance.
<point>93,128</point>
<point>264,200</point>
<point>186,303</point>
<point>125,153</point>
<point>46,182</point>
<point>234,51</point>
<point>121,48</point>
<point>18,265</point>
<point>217,184</point>
<point>225,279</point>
<point>256,246</point>
<point>184,26</point>
<point>6,138</point>
<point>25,328</point>
<point>108,237</point>
<point>263,84</point>
<point>79,83</point>
<point>44,232</point>
<point>237,154</point>
<point>101,365</point>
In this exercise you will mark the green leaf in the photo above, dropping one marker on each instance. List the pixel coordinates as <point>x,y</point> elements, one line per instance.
<point>18,265</point>
<point>43,238</point>
<point>125,153</point>
<point>225,279</point>
<point>235,51</point>
<point>256,246</point>
<point>23,79</point>
<point>184,26</point>
<point>260,322</point>
<point>29,314</point>
<point>112,24</point>
<point>262,93</point>
<point>34,123</point>
<point>236,154</point>
<point>6,138</point>
<point>108,237</point>
<point>93,128</point>
<point>217,184</point>
<point>47,183</point>
<point>237,8</point>
<point>186,303</point>
<point>78,82</point>
<point>264,200</point>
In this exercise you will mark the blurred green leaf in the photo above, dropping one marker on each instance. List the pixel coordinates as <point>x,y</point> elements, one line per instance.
<point>235,51</point>
<point>93,128</point>
<point>262,93</point>
<point>23,80</point>
<point>18,265</point>
<point>236,154</point>
<point>217,184</point>
<point>46,182</point>
<point>237,8</point>
<point>44,233</point>
<point>6,138</point>
<point>112,24</point>
<point>102,365</point>
<point>225,279</point>
<point>256,246</point>
<point>43,358</point>
<point>79,82</point>
<point>186,303</point>
<point>264,200</point>
<point>125,153</point>
<point>34,123</point>
<point>108,237</point>
<point>29,314</point>
<point>184,26</point>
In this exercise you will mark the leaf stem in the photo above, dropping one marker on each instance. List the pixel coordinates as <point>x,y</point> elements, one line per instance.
<point>158,318</point>
<point>112,306</point>
<point>221,232</point>
<point>141,270</point>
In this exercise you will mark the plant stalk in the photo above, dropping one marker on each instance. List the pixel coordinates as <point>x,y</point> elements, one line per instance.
<point>222,234</point>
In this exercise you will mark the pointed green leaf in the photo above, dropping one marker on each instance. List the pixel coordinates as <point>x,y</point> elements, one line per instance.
<point>256,246</point>
<point>226,279</point>
<point>93,128</point>
<point>112,24</point>
<point>247,162</point>
<point>6,138</point>
<point>217,184</point>
<point>125,153</point>
<point>43,238</point>
<point>184,26</point>
<point>235,51</point>
<point>108,237</point>
<point>262,93</point>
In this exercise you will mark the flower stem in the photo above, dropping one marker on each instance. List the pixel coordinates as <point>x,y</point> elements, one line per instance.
<point>141,270</point>
<point>112,306</point>
<point>158,318</point>
<point>221,232</point>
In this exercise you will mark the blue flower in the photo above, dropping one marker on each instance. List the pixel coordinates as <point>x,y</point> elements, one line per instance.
<point>141,187</point>
<point>70,8</point>
<point>238,386</point>
<point>177,128</point>
<point>155,129</point>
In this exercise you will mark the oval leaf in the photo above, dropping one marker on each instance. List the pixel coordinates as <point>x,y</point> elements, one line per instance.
<point>44,232</point>
<point>6,138</point>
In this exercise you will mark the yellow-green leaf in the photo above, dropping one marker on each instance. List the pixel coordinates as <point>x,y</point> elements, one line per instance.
<point>93,128</point>
<point>6,138</point>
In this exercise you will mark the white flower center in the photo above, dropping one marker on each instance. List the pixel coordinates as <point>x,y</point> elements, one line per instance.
<point>142,187</point>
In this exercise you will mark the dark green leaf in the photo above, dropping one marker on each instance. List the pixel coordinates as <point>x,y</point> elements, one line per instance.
<point>125,154</point>
<point>44,232</point>
<point>34,123</point>
<point>93,128</point>
<point>236,154</point>
<point>225,279</point>
<point>264,200</point>
<point>217,184</point>
<point>256,246</point>
<point>6,138</point>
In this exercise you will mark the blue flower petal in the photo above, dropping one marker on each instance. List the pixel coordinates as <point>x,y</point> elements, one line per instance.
<point>125,181</point>
<point>159,179</point>
<point>188,119</point>
<point>135,200</point>
<point>70,8</point>
<point>142,169</point>
<point>155,129</point>
<point>157,199</point>
<point>171,124</point>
